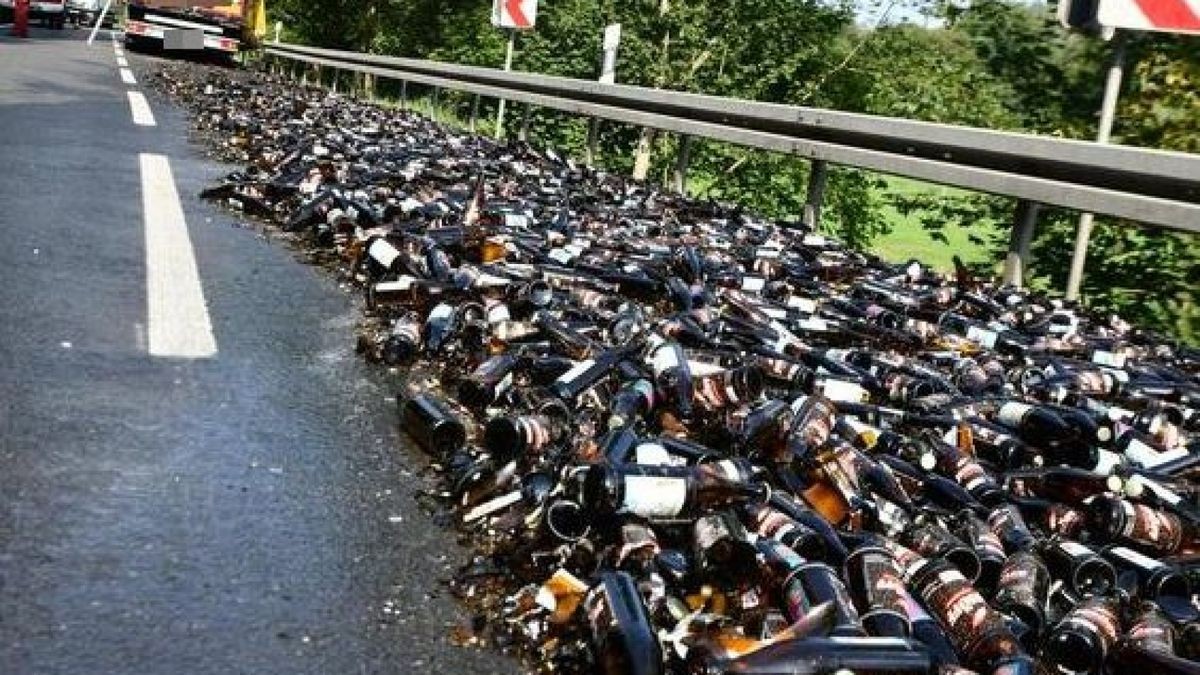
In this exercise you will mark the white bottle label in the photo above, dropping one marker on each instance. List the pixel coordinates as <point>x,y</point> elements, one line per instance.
<point>1136,558</point>
<point>654,496</point>
<point>1140,483</point>
<point>1074,548</point>
<point>402,284</point>
<point>1166,456</point>
<point>753,284</point>
<point>841,390</point>
<point>575,371</point>
<point>442,311</point>
<point>982,336</point>
<point>813,323</point>
<point>1107,358</point>
<point>383,253</point>
<point>663,359</point>
<point>560,256</point>
<point>1106,461</point>
<point>1010,413</point>
<point>806,305</point>
<point>1141,453</point>
<point>651,453</point>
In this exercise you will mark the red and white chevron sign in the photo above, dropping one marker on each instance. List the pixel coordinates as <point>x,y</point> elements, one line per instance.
<point>1173,16</point>
<point>514,13</point>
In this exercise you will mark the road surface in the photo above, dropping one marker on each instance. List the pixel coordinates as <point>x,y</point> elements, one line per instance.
<point>196,473</point>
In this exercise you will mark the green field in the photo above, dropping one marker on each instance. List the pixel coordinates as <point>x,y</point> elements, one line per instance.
<point>908,239</point>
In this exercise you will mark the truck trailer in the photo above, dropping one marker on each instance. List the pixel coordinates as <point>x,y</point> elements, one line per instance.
<point>214,26</point>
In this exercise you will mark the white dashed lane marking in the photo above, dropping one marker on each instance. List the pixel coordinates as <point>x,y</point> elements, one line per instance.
<point>140,108</point>
<point>127,76</point>
<point>177,314</point>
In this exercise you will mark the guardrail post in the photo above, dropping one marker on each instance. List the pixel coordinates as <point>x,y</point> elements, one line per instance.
<point>817,177</point>
<point>403,94</point>
<point>679,177</point>
<point>433,103</point>
<point>523,134</point>
<point>1016,264</point>
<point>474,114</point>
<point>368,84</point>
<point>337,75</point>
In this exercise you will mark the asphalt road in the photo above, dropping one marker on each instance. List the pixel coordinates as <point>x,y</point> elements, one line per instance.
<point>249,510</point>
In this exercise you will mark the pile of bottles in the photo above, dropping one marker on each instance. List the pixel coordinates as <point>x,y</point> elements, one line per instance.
<point>689,439</point>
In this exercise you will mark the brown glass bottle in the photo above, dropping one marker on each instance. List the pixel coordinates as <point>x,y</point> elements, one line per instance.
<point>1080,642</point>
<point>1120,520</point>
<point>978,632</point>
<point>874,582</point>
<point>663,491</point>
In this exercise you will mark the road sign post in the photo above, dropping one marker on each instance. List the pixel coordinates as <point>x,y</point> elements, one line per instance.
<point>514,15</point>
<point>1108,110</point>
<point>608,75</point>
<point>508,57</point>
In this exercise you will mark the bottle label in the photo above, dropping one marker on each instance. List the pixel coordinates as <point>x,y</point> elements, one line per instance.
<point>841,390</point>
<point>575,371</point>
<point>812,323</point>
<point>1134,558</point>
<point>1010,413</point>
<point>442,311</point>
<point>1107,358</point>
<point>663,359</point>
<point>1140,452</point>
<point>753,284</point>
<point>963,607</point>
<point>805,305</point>
<point>1138,484</point>
<point>982,336</point>
<point>516,221</point>
<point>971,475</point>
<point>534,433</point>
<point>399,285</point>
<point>383,253</point>
<point>655,496</point>
<point>1165,457</point>
<point>652,453</point>
<point>1097,619</point>
<point>1075,549</point>
<point>1106,461</point>
<point>560,256</point>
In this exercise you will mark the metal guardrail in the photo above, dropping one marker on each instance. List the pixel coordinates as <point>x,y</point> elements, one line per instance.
<point>1149,186</point>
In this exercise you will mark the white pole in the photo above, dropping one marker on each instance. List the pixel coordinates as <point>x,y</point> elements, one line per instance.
<point>99,20</point>
<point>1108,110</point>
<point>508,57</point>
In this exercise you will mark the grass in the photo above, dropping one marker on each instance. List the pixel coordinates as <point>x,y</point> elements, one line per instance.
<point>907,239</point>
